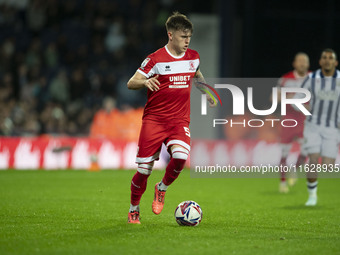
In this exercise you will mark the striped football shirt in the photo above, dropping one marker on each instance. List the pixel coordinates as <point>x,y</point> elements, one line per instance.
<point>325,98</point>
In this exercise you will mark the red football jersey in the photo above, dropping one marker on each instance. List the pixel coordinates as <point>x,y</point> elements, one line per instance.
<point>172,100</point>
<point>292,80</point>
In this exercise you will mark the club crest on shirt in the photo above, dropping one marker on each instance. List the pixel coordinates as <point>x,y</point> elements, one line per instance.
<point>192,66</point>
<point>145,62</point>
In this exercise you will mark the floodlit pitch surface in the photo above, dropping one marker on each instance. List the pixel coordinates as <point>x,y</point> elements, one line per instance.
<point>80,212</point>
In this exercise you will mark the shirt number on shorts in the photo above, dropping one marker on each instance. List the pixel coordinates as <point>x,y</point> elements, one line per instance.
<point>187,131</point>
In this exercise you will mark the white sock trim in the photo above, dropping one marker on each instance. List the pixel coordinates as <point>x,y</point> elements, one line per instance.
<point>145,168</point>
<point>162,186</point>
<point>134,208</point>
<point>312,185</point>
<point>180,153</point>
<point>312,188</point>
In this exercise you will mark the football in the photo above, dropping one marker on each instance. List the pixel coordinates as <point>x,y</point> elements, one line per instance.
<point>188,213</point>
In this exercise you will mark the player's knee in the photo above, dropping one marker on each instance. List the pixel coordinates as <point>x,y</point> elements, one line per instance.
<point>179,156</point>
<point>179,152</point>
<point>145,168</point>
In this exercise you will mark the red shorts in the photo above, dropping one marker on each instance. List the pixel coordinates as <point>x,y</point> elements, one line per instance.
<point>153,134</point>
<point>290,134</point>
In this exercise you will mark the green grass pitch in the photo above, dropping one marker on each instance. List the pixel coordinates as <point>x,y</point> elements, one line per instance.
<point>81,212</point>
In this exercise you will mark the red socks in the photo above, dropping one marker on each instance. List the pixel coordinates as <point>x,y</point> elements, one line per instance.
<point>138,187</point>
<point>173,170</point>
<point>139,181</point>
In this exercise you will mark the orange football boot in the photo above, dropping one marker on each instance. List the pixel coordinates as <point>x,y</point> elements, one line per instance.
<point>133,217</point>
<point>158,201</point>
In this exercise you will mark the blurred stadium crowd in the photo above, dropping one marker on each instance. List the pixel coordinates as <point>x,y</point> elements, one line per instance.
<point>64,65</point>
<point>60,59</point>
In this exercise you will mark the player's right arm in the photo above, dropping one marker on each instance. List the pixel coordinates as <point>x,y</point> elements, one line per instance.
<point>138,81</point>
<point>200,77</point>
<point>306,84</point>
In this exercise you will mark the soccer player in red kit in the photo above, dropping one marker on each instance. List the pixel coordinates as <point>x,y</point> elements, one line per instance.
<point>167,75</point>
<point>288,134</point>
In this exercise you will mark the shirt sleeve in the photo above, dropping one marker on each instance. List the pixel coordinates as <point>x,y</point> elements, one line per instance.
<point>147,67</point>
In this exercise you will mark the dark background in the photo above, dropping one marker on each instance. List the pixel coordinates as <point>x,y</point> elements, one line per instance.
<point>270,33</point>
<point>60,59</point>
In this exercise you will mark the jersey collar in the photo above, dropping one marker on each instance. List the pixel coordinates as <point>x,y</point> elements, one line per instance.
<point>334,75</point>
<point>299,76</point>
<point>167,50</point>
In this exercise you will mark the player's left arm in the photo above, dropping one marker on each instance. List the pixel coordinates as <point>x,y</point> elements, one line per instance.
<point>200,77</point>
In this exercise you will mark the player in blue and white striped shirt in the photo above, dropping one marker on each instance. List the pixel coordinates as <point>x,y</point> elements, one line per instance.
<point>321,128</point>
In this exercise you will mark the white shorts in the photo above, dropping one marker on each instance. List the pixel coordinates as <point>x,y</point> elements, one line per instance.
<point>303,149</point>
<point>322,140</point>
